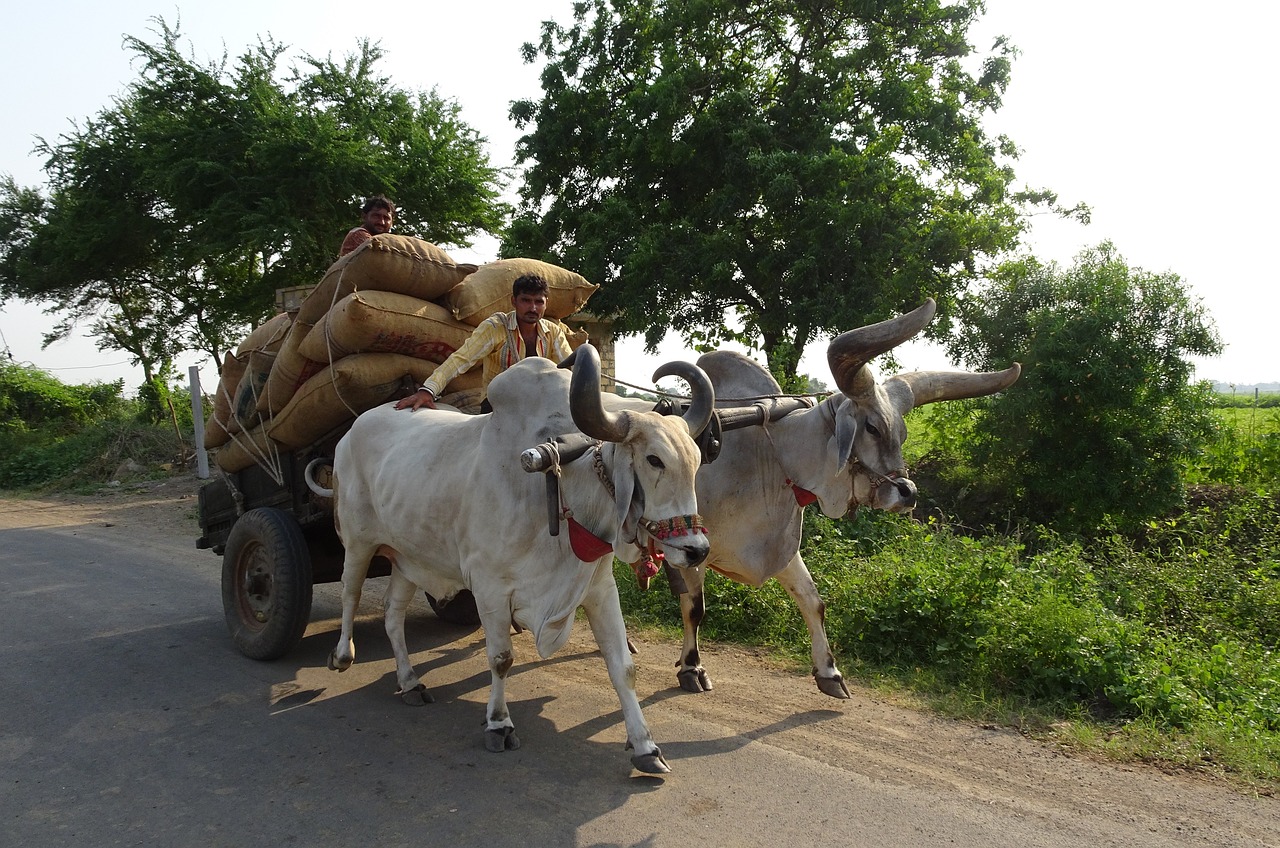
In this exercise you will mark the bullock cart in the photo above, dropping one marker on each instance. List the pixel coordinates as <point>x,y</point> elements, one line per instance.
<point>277,540</point>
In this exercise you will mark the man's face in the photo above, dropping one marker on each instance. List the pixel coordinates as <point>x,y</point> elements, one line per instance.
<point>529,307</point>
<point>378,220</point>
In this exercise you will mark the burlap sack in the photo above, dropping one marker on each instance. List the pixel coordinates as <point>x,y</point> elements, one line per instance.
<point>577,338</point>
<point>290,370</point>
<point>488,290</point>
<point>342,391</point>
<point>268,335</point>
<point>244,410</point>
<point>223,420</point>
<point>385,322</point>
<point>233,369</point>
<point>467,401</point>
<point>215,435</point>
<point>388,262</point>
<point>244,449</point>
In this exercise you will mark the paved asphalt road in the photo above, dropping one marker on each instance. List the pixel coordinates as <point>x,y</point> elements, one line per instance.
<point>130,720</point>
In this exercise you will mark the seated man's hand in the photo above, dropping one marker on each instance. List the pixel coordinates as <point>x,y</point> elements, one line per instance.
<point>417,400</point>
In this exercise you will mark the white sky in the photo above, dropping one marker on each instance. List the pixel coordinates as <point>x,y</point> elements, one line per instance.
<point>1156,114</point>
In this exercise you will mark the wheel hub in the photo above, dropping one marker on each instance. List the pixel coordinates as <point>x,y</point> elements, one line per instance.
<point>256,584</point>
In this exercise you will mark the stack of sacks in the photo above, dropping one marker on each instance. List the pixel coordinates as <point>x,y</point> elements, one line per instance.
<point>382,317</point>
<point>243,374</point>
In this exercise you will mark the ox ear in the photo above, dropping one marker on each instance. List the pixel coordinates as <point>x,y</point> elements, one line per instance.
<point>846,429</point>
<point>629,498</point>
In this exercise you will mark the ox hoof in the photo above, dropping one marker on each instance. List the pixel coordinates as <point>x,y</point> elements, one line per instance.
<point>417,696</point>
<point>695,680</point>
<point>833,686</point>
<point>336,664</point>
<point>502,739</point>
<point>651,763</point>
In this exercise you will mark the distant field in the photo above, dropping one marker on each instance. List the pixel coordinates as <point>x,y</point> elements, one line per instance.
<point>1251,421</point>
<point>1265,400</point>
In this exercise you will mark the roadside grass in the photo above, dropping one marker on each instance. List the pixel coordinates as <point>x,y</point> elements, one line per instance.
<point>89,458</point>
<point>1160,648</point>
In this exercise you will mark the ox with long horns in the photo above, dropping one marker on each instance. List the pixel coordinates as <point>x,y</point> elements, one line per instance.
<point>843,452</point>
<point>448,499</point>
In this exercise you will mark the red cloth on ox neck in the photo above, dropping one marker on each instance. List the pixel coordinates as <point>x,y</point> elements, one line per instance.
<point>587,546</point>
<point>804,497</point>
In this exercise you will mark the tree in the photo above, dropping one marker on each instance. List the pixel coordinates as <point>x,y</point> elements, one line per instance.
<point>173,216</point>
<point>802,167</point>
<point>1103,416</point>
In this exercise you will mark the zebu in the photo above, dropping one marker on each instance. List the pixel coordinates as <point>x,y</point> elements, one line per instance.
<point>844,452</point>
<point>444,497</point>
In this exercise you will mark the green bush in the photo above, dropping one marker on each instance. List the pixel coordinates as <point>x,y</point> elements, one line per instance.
<point>53,434</point>
<point>1243,451</point>
<point>31,399</point>
<point>1173,627</point>
<point>1103,417</point>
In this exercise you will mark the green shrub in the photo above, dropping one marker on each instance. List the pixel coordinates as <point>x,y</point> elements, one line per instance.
<point>1173,628</point>
<point>53,434</point>
<point>31,399</point>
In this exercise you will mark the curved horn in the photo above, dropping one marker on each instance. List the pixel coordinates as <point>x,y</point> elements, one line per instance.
<point>589,414</point>
<point>703,402</point>
<point>849,352</point>
<point>931,386</point>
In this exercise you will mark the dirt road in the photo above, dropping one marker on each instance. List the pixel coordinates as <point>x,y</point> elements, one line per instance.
<point>129,719</point>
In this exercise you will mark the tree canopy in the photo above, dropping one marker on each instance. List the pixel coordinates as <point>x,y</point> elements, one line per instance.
<point>173,215</point>
<point>801,167</point>
<point>1104,415</point>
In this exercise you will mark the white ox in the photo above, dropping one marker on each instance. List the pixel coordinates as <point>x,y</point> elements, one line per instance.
<point>844,452</point>
<point>443,496</point>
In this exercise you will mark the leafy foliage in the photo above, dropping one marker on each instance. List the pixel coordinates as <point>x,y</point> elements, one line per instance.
<point>173,215</point>
<point>31,399</point>
<point>805,168</point>
<point>53,434</point>
<point>1103,417</point>
<point>1173,629</point>
<point>1244,450</point>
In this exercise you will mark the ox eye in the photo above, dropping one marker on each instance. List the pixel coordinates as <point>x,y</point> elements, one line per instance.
<point>655,462</point>
<point>871,428</point>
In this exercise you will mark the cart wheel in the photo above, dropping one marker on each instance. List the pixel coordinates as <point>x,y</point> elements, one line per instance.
<point>460,610</point>
<point>266,583</point>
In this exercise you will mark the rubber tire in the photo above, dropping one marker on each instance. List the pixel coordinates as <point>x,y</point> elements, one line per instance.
<point>461,609</point>
<point>266,583</point>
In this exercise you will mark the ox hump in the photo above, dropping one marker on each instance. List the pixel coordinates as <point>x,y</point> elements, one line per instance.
<point>735,376</point>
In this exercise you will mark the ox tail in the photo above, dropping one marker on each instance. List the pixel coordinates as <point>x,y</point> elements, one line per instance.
<point>309,476</point>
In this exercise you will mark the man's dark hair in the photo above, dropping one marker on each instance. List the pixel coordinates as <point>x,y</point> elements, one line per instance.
<point>378,201</point>
<point>529,284</point>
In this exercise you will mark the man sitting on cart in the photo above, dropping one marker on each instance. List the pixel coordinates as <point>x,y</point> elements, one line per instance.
<point>377,215</point>
<point>502,340</point>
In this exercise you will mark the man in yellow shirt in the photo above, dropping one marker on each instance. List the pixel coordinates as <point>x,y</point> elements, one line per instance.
<point>502,340</point>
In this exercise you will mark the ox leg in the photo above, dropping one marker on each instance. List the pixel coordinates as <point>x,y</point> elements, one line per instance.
<point>400,592</point>
<point>355,567</point>
<point>795,578</point>
<point>604,614</point>
<point>500,730</point>
<point>689,671</point>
